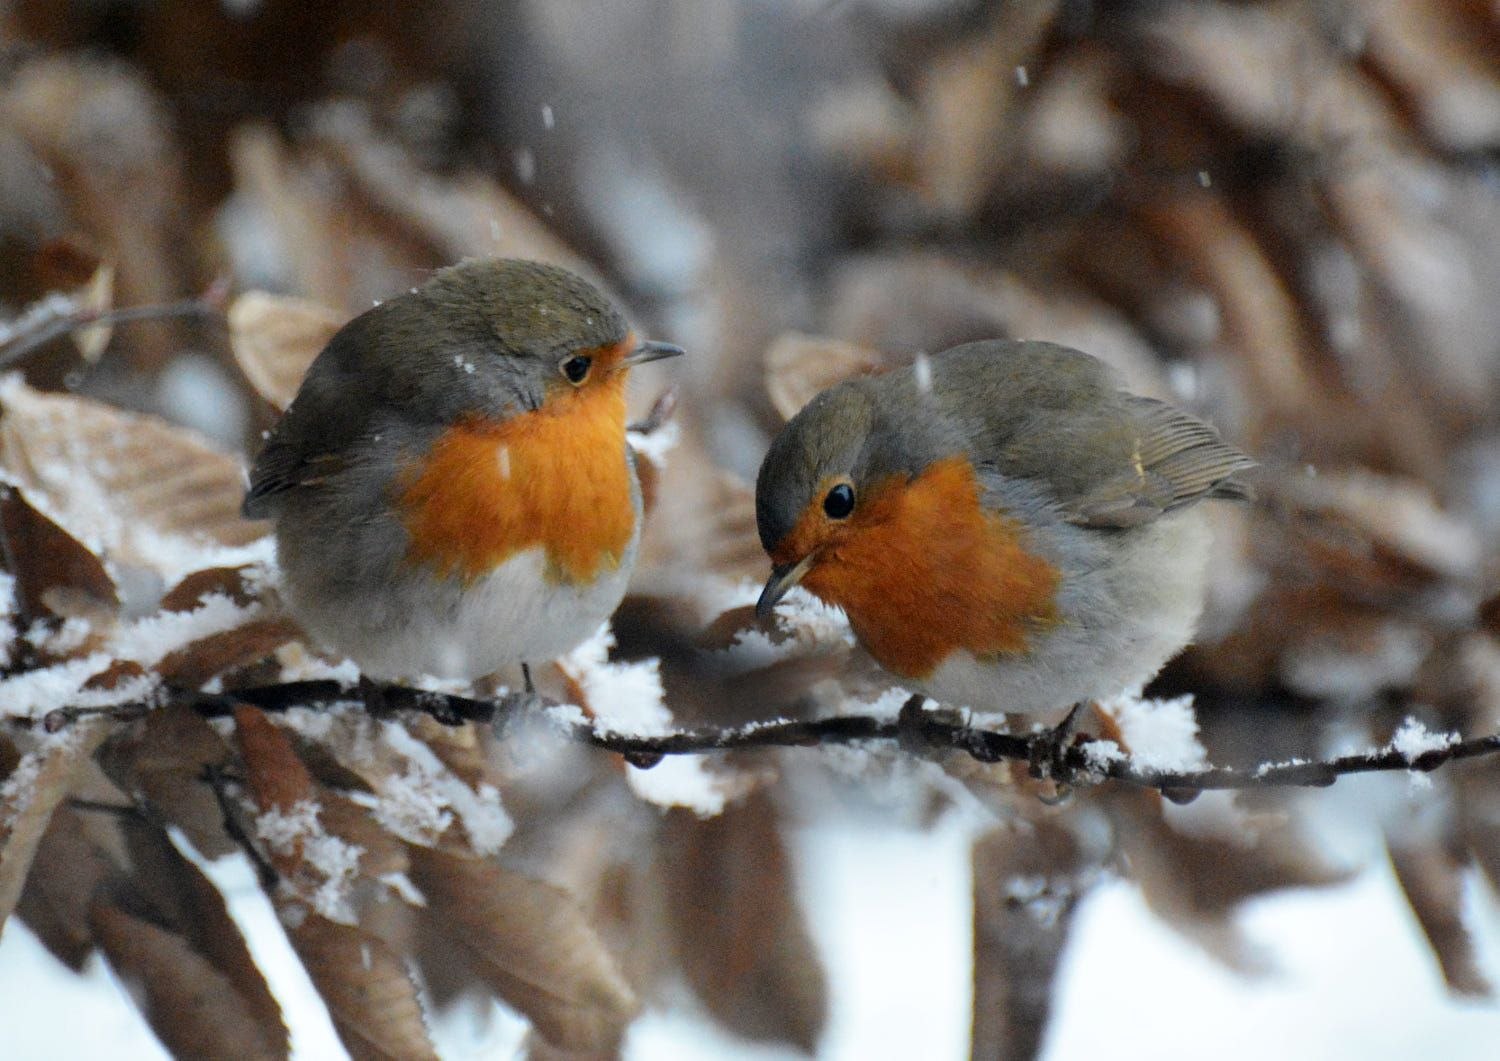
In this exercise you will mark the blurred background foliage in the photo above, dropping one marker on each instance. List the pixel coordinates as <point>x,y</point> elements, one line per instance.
<point>1285,215</point>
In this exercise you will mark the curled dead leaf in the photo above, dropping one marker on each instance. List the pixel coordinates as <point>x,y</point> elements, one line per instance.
<point>370,995</point>
<point>278,779</point>
<point>41,779</point>
<point>172,892</point>
<point>1431,874</point>
<point>236,583</point>
<point>161,762</point>
<point>190,666</point>
<point>134,487</point>
<point>799,366</point>
<point>190,1004</point>
<point>1026,889</point>
<point>743,945</point>
<point>532,944</point>
<point>47,559</point>
<point>276,337</point>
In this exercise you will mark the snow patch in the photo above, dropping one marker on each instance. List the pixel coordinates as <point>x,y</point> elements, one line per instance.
<point>1162,735</point>
<point>1414,740</point>
<point>333,862</point>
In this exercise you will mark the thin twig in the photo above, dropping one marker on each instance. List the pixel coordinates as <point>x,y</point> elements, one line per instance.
<point>1076,761</point>
<point>219,781</point>
<point>41,331</point>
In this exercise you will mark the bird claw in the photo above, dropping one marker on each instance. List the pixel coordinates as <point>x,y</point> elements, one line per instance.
<point>1047,756</point>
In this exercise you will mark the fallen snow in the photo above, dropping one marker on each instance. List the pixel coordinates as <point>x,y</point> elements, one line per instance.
<point>1161,734</point>
<point>333,862</point>
<point>1413,740</point>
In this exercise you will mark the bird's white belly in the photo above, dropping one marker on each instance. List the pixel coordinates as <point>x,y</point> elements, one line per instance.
<point>1121,622</point>
<point>420,625</point>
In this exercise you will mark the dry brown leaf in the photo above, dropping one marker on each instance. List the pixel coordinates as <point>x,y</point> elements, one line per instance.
<point>278,779</point>
<point>41,780</point>
<point>162,762</point>
<point>49,561</point>
<point>190,666</point>
<point>1382,529</point>
<point>191,1005</point>
<point>108,142</point>
<point>741,937</point>
<point>136,488</point>
<point>967,97</point>
<point>174,893</point>
<point>1431,874</point>
<point>370,995</point>
<point>467,215</point>
<point>704,521</point>
<point>79,853</point>
<point>1194,882</point>
<point>532,944</point>
<point>1431,50</point>
<point>95,298</point>
<point>276,337</point>
<point>65,264</point>
<point>1026,887</point>
<point>232,582</point>
<point>799,367</point>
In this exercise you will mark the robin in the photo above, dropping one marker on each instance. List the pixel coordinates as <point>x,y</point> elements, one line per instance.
<point>1005,528</point>
<point>451,487</point>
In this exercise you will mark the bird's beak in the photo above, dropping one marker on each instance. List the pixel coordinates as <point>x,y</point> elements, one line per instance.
<point>650,351</point>
<point>782,579</point>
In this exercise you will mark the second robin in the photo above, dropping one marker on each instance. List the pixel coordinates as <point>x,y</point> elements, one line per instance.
<point>1006,529</point>
<point>452,489</point>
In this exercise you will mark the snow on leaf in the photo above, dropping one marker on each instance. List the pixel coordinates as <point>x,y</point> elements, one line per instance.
<point>625,698</point>
<point>40,781</point>
<point>428,789</point>
<point>132,488</point>
<point>326,865</point>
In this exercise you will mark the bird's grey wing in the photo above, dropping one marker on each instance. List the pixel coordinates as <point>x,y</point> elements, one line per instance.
<point>1046,414</point>
<point>1174,460</point>
<point>309,444</point>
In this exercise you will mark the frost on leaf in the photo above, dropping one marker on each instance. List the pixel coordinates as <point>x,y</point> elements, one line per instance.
<point>38,782</point>
<point>131,487</point>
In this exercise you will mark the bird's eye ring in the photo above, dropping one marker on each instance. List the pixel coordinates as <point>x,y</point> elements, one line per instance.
<point>576,368</point>
<point>839,501</point>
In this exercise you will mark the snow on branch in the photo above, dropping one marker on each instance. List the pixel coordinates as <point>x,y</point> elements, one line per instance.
<point>1077,760</point>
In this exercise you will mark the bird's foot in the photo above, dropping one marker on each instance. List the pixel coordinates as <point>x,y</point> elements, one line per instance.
<point>1048,756</point>
<point>373,694</point>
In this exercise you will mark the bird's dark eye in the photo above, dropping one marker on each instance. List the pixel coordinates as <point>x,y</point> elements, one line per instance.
<point>839,502</point>
<point>576,369</point>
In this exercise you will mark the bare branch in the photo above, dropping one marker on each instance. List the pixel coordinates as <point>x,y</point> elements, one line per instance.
<point>37,329</point>
<point>1080,760</point>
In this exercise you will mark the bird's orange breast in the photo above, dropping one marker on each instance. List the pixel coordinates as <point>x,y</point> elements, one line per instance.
<point>556,478</point>
<point>923,570</point>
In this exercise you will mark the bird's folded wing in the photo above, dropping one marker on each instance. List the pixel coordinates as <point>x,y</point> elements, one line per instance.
<point>1175,459</point>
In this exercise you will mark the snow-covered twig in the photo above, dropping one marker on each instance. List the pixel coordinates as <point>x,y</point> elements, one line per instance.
<point>53,322</point>
<point>1076,761</point>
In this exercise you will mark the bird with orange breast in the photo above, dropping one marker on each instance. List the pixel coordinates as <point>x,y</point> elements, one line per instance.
<point>1005,528</point>
<point>451,488</point>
